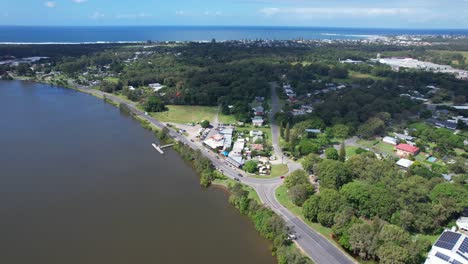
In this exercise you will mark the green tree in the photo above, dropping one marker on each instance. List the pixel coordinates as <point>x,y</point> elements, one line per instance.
<point>332,174</point>
<point>342,154</point>
<point>250,166</point>
<point>307,147</point>
<point>205,123</point>
<point>154,104</point>
<point>300,193</point>
<point>287,132</point>
<point>297,177</point>
<point>309,161</point>
<point>310,208</point>
<point>330,203</point>
<point>340,131</point>
<point>331,153</point>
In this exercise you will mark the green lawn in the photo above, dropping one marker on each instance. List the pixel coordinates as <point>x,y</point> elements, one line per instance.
<point>282,196</point>
<point>186,114</point>
<point>111,79</point>
<point>276,171</point>
<point>378,145</point>
<point>351,151</point>
<point>358,75</point>
<point>227,119</point>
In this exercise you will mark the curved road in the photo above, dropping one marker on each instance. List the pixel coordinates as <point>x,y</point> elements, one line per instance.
<point>317,247</point>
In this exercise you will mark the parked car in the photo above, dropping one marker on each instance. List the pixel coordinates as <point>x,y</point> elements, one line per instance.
<point>292,236</point>
<point>240,175</point>
<point>282,177</point>
<point>237,179</point>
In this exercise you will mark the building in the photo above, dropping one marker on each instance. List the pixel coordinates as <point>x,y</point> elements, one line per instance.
<point>156,86</point>
<point>257,121</point>
<point>258,111</point>
<point>450,248</point>
<point>257,147</point>
<point>313,130</point>
<point>405,163</point>
<point>442,124</point>
<point>254,133</point>
<point>462,223</point>
<point>404,137</point>
<point>390,140</point>
<point>215,142</point>
<point>236,160</point>
<point>406,150</point>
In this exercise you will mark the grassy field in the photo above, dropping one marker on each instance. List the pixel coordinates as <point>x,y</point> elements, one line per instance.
<point>186,114</point>
<point>351,151</point>
<point>379,146</point>
<point>227,119</point>
<point>358,75</point>
<point>276,171</point>
<point>111,79</point>
<point>282,196</point>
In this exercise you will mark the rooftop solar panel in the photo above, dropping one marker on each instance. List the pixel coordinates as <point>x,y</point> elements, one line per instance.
<point>442,256</point>
<point>447,240</point>
<point>456,262</point>
<point>464,246</point>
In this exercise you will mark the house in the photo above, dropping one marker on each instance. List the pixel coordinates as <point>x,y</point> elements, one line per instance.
<point>215,142</point>
<point>259,98</point>
<point>131,88</point>
<point>462,223</point>
<point>405,163</point>
<point>156,86</point>
<point>390,140</point>
<point>313,131</point>
<point>404,137</point>
<point>257,147</point>
<point>298,112</point>
<point>451,247</point>
<point>254,133</point>
<point>442,124</point>
<point>236,160</point>
<point>257,121</point>
<point>406,150</point>
<point>258,111</point>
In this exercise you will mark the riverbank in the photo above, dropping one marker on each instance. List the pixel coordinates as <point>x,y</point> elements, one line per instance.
<point>203,163</point>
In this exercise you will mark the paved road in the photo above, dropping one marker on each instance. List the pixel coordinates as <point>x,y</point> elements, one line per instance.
<point>317,247</point>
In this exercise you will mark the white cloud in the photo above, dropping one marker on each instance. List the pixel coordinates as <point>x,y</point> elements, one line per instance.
<point>344,11</point>
<point>97,15</point>
<point>79,1</point>
<point>50,4</point>
<point>180,12</point>
<point>133,16</point>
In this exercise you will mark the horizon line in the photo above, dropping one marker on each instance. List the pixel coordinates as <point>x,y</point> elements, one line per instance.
<point>244,26</point>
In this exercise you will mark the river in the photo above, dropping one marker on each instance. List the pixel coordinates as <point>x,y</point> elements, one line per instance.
<point>80,183</point>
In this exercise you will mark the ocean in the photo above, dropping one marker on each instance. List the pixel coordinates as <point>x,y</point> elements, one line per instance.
<point>81,34</point>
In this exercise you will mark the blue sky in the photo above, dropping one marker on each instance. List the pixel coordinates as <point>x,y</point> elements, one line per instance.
<point>339,13</point>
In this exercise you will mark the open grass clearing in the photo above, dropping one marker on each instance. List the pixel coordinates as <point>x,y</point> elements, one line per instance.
<point>182,114</point>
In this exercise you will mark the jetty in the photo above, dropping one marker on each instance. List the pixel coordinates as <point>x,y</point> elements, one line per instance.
<point>160,148</point>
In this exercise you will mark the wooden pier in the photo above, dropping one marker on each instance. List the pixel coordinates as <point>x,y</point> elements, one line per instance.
<point>160,148</point>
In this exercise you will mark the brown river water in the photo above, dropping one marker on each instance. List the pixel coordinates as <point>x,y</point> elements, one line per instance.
<point>80,183</point>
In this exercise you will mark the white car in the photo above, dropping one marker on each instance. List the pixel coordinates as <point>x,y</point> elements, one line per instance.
<point>292,236</point>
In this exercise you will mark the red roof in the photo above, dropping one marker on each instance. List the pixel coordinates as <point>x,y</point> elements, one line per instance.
<point>408,148</point>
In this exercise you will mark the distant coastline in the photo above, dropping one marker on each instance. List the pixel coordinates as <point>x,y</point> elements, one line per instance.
<point>137,34</point>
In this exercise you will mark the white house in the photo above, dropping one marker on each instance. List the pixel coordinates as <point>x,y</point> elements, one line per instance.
<point>131,88</point>
<point>257,121</point>
<point>462,223</point>
<point>405,163</point>
<point>156,86</point>
<point>390,140</point>
<point>451,247</point>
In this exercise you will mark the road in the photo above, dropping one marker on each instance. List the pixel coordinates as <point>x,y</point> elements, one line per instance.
<point>317,247</point>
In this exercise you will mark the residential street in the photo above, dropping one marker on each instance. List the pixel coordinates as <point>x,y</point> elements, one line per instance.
<point>317,247</point>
